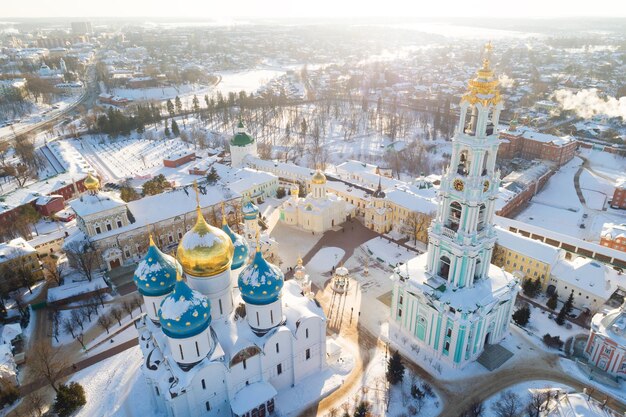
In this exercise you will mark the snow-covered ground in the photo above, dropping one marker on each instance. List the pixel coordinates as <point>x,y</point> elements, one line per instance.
<point>524,391</point>
<point>572,369</point>
<point>161,93</point>
<point>388,252</point>
<point>72,288</point>
<point>116,388</point>
<point>540,324</point>
<point>66,337</point>
<point>606,164</point>
<point>325,259</point>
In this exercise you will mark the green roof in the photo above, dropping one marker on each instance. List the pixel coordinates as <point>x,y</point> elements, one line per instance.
<point>241,139</point>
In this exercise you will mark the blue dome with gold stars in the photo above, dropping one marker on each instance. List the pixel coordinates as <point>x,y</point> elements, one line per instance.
<point>185,312</point>
<point>156,273</point>
<point>260,282</point>
<point>241,247</point>
<point>250,210</point>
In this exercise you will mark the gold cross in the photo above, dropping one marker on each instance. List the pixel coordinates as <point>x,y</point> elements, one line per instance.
<point>195,187</point>
<point>224,222</point>
<point>488,48</point>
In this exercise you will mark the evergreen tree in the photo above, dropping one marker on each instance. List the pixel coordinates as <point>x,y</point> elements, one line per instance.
<point>361,409</point>
<point>522,315</point>
<point>170,107</point>
<point>128,194</point>
<point>552,301</point>
<point>531,287</point>
<point>175,129</point>
<point>196,105</point>
<point>69,399</point>
<point>167,130</point>
<point>178,104</point>
<point>566,309</point>
<point>395,369</point>
<point>212,177</point>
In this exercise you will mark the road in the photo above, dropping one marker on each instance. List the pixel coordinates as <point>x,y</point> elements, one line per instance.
<point>88,98</point>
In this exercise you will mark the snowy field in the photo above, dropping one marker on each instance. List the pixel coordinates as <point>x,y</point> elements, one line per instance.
<point>608,165</point>
<point>558,208</point>
<point>162,93</point>
<point>116,388</point>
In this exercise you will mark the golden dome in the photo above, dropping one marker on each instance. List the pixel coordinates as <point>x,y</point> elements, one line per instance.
<point>484,88</point>
<point>91,183</point>
<point>318,178</point>
<point>205,250</point>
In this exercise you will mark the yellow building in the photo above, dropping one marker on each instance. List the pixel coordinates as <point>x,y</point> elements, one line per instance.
<point>19,262</point>
<point>533,258</point>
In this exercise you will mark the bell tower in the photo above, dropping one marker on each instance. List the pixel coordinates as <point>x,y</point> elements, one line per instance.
<point>461,237</point>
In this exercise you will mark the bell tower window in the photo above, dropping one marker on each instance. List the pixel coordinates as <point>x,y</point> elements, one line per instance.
<point>444,267</point>
<point>454,216</point>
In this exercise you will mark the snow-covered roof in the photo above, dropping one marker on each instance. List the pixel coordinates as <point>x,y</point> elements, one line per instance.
<point>10,332</point>
<point>614,231</point>
<point>532,248</point>
<point>251,396</point>
<point>8,368</point>
<point>15,248</point>
<point>590,276</point>
<point>481,295</point>
<point>413,198</point>
<point>89,204</point>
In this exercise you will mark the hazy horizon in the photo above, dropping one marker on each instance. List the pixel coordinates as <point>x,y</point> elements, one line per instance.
<point>251,9</point>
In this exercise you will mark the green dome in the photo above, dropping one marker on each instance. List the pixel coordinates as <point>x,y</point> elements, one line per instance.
<point>241,138</point>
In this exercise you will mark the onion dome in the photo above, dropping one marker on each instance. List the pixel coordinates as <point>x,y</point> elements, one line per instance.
<point>156,273</point>
<point>240,255</point>
<point>260,282</point>
<point>205,250</point>
<point>318,178</point>
<point>185,312</point>
<point>91,183</point>
<point>250,210</point>
<point>241,138</point>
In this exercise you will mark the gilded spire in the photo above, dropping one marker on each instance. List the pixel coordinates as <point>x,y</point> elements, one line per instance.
<point>484,87</point>
<point>299,260</point>
<point>151,239</point>
<point>224,222</point>
<point>258,241</point>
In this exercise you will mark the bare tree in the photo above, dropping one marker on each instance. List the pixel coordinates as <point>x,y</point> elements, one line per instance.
<point>508,404</point>
<point>116,313</point>
<point>101,296</point>
<point>416,225</point>
<point>537,403</point>
<point>54,270</point>
<point>69,327</point>
<point>137,302</point>
<point>105,322</point>
<point>35,404</point>
<point>77,318</point>
<point>86,312</point>
<point>47,362</point>
<point>83,256</point>
<point>475,409</point>
<point>128,307</point>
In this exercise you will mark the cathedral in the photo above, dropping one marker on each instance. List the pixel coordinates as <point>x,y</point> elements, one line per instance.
<point>451,299</point>
<point>223,332</point>
<point>319,211</point>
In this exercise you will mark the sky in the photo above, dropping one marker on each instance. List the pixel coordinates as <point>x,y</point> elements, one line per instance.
<point>220,9</point>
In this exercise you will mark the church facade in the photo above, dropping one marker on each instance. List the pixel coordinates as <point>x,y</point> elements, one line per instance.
<point>451,298</point>
<point>224,333</point>
<point>319,211</point>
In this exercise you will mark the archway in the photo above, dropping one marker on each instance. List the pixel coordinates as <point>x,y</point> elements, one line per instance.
<point>444,267</point>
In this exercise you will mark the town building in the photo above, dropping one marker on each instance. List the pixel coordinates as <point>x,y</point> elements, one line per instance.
<point>451,299</point>
<point>619,195</point>
<point>606,346</point>
<point>575,404</point>
<point>214,349</point>
<point>18,255</point>
<point>531,258</point>
<point>614,236</point>
<point>319,211</point>
<point>524,142</point>
<point>519,187</point>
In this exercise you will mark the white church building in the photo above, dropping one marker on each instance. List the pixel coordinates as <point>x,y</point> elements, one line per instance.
<point>319,211</point>
<point>451,299</point>
<point>224,333</point>
<point>241,145</point>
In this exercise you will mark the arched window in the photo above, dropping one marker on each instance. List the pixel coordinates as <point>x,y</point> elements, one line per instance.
<point>470,126</point>
<point>482,212</point>
<point>464,163</point>
<point>444,267</point>
<point>477,270</point>
<point>454,216</point>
